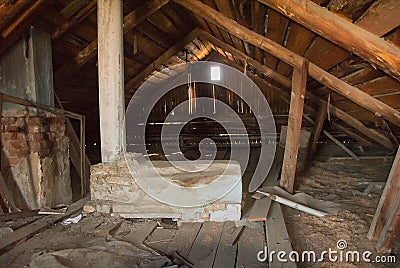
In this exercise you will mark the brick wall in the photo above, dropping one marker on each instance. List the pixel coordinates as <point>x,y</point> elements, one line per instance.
<point>35,160</point>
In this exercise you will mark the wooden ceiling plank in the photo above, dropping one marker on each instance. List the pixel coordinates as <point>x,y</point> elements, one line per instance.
<point>226,8</point>
<point>258,25</point>
<point>131,20</point>
<point>365,44</point>
<point>165,24</point>
<point>130,86</point>
<point>155,34</point>
<point>382,17</point>
<point>377,137</point>
<point>277,26</point>
<point>17,28</point>
<point>293,59</point>
<point>77,18</point>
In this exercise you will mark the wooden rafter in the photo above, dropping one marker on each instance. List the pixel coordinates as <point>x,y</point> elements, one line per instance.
<point>372,134</point>
<point>18,27</point>
<point>77,18</point>
<point>130,21</point>
<point>342,32</point>
<point>353,93</point>
<point>160,60</point>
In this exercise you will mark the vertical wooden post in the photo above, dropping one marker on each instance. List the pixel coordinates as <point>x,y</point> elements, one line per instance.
<point>315,133</point>
<point>82,157</point>
<point>299,81</point>
<point>387,217</point>
<point>111,78</point>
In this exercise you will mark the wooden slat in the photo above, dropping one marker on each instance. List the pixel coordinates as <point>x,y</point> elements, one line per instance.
<point>299,81</point>
<point>184,239</point>
<point>260,210</point>
<point>353,38</point>
<point>277,236</point>
<point>205,246</point>
<point>40,224</point>
<point>293,59</point>
<point>226,252</point>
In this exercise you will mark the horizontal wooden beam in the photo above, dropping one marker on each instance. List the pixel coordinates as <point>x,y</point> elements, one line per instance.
<point>342,32</point>
<point>358,96</point>
<point>350,120</point>
<point>130,86</point>
<point>132,19</point>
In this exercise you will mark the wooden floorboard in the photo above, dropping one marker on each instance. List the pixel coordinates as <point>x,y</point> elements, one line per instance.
<point>184,238</point>
<point>160,239</point>
<point>226,252</point>
<point>205,246</point>
<point>251,241</point>
<point>277,236</point>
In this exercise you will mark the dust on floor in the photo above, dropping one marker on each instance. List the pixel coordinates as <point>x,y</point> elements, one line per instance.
<point>342,183</point>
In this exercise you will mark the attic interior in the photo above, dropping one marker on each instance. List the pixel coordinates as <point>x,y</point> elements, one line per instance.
<point>202,133</point>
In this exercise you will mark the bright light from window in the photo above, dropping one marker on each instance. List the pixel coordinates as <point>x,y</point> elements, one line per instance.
<point>215,73</point>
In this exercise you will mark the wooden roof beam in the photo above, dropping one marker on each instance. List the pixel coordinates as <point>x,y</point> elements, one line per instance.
<point>14,31</point>
<point>342,32</point>
<point>129,87</point>
<point>131,20</point>
<point>356,95</point>
<point>77,18</point>
<point>342,115</point>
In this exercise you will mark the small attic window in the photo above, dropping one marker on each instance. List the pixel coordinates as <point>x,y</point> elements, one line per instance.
<point>215,73</point>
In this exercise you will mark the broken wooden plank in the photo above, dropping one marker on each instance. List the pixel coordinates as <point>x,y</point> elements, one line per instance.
<point>226,252</point>
<point>299,81</point>
<point>18,215</point>
<point>205,246</point>
<point>40,224</point>
<point>160,238</point>
<point>260,210</point>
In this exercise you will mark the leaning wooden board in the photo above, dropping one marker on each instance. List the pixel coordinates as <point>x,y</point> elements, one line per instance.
<point>260,210</point>
<point>40,224</point>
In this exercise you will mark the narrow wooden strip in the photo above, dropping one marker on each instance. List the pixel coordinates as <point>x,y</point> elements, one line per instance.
<point>226,252</point>
<point>184,239</point>
<point>277,236</point>
<point>205,246</point>
<point>260,210</point>
<point>250,243</point>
